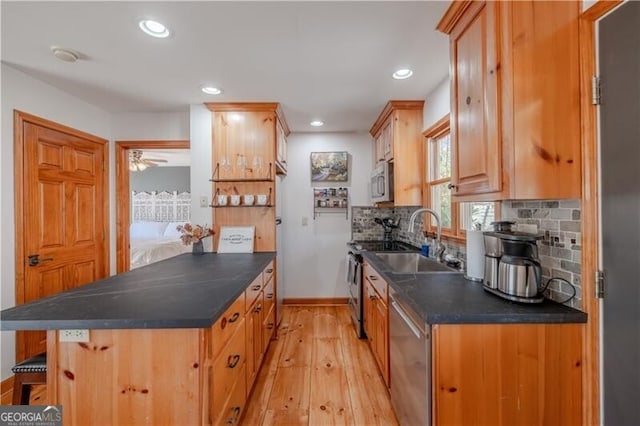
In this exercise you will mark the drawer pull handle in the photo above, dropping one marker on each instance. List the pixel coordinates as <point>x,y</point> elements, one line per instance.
<point>236,415</point>
<point>234,317</point>
<point>256,287</point>
<point>270,326</point>
<point>258,309</point>
<point>269,295</point>
<point>373,277</point>
<point>223,323</point>
<point>269,271</point>
<point>233,361</point>
<point>372,297</point>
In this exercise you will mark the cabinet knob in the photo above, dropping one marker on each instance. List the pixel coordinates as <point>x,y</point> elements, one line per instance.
<point>233,361</point>
<point>256,287</point>
<point>234,317</point>
<point>468,100</point>
<point>452,187</point>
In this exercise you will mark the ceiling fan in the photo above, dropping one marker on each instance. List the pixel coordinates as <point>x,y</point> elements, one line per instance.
<point>138,164</point>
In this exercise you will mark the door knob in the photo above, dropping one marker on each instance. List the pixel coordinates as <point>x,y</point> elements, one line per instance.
<point>34,259</point>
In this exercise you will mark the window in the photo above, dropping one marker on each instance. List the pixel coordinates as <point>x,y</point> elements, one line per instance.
<point>456,217</point>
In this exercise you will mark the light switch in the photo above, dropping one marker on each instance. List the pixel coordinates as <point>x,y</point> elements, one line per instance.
<point>204,201</point>
<point>305,221</point>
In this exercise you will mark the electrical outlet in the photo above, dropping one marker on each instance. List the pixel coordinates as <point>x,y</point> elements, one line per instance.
<point>73,335</point>
<point>204,201</point>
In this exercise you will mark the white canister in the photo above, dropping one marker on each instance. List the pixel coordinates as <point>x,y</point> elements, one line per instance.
<point>235,200</point>
<point>222,199</point>
<point>247,200</point>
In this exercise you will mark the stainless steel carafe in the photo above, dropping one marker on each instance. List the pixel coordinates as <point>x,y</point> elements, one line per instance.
<point>519,276</point>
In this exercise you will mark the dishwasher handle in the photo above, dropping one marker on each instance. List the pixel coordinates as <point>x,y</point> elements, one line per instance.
<point>406,319</point>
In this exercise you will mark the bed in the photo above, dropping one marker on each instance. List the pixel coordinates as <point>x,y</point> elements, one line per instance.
<point>152,234</point>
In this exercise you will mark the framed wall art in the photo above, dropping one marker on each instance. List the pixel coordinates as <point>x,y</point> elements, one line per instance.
<point>330,166</point>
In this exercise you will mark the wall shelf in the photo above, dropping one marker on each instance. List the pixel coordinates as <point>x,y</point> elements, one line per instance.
<point>330,200</point>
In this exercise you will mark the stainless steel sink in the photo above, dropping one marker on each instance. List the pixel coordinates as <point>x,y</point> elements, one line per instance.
<point>412,263</point>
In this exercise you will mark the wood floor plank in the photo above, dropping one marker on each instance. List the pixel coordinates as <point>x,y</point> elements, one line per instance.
<point>325,322</point>
<point>330,403</point>
<point>286,418</point>
<point>290,389</point>
<point>299,339</point>
<point>369,396</point>
<point>261,393</point>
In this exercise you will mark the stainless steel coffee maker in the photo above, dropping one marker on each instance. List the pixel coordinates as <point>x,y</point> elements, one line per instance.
<point>519,274</point>
<point>493,253</point>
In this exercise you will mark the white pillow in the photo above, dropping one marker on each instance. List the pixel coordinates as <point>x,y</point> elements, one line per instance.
<point>147,230</point>
<point>171,231</point>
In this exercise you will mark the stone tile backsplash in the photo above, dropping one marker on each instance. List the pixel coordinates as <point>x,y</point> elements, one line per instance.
<point>560,252</point>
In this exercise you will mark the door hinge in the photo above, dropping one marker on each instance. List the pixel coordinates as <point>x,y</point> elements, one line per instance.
<point>599,284</point>
<point>596,90</point>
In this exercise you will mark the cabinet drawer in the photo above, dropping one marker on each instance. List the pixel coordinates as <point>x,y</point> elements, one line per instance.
<point>269,296</point>
<point>227,324</point>
<point>377,282</point>
<point>268,327</point>
<point>232,411</point>
<point>252,292</point>
<point>268,273</point>
<point>228,368</point>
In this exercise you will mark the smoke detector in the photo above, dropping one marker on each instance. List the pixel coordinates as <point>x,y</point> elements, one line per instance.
<point>63,54</point>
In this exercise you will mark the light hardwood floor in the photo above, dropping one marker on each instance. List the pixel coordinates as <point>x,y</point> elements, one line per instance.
<point>319,373</point>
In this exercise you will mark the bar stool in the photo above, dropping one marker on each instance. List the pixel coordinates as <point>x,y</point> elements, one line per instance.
<point>32,371</point>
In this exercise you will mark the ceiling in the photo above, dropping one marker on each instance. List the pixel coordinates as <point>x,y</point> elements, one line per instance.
<point>321,60</point>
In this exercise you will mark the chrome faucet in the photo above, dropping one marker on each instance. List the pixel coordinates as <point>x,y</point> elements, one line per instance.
<point>439,249</point>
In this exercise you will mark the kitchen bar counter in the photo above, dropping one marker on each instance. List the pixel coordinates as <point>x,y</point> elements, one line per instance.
<point>444,298</point>
<point>185,291</point>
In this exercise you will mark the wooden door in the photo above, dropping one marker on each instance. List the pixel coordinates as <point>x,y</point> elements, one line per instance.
<point>62,230</point>
<point>474,105</point>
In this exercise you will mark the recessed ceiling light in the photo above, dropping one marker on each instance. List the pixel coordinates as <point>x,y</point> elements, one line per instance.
<point>154,28</point>
<point>317,123</point>
<point>402,74</point>
<point>63,54</point>
<point>210,90</point>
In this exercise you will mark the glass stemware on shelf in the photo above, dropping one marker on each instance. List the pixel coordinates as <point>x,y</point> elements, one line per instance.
<point>257,166</point>
<point>226,166</point>
<point>241,164</point>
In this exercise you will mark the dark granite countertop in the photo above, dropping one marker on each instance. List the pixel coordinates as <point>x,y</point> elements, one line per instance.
<point>445,298</point>
<point>185,291</point>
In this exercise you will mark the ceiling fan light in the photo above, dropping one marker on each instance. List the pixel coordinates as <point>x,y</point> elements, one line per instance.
<point>153,28</point>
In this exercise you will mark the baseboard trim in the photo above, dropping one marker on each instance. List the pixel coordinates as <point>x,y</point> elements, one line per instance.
<point>6,391</point>
<point>327,301</point>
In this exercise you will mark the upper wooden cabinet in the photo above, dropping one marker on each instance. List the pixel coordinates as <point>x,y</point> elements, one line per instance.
<point>245,150</point>
<point>515,113</point>
<point>397,135</point>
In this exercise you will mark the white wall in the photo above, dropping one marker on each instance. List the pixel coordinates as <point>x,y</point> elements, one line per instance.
<point>24,93</point>
<point>437,104</point>
<point>201,166</point>
<point>151,126</point>
<point>314,255</point>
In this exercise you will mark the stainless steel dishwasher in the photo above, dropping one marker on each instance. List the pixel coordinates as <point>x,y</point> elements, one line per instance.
<point>410,360</point>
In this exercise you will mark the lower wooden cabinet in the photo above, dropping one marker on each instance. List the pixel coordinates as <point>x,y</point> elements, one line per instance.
<point>376,318</point>
<point>228,370</point>
<point>232,411</point>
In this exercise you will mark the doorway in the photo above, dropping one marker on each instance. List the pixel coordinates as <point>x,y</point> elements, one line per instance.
<point>619,68</point>
<point>123,193</point>
<point>61,213</point>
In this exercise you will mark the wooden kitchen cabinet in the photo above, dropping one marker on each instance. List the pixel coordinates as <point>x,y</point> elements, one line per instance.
<point>376,319</point>
<point>397,135</point>
<point>248,139</point>
<point>515,113</point>
<point>507,374</point>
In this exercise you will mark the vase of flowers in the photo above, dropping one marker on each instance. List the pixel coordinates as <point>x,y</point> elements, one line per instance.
<point>194,234</point>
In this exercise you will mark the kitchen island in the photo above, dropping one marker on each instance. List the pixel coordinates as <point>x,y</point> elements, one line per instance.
<point>169,343</point>
<point>470,357</point>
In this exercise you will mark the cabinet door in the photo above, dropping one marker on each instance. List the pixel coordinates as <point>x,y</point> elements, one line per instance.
<point>387,139</point>
<point>367,305</point>
<point>382,338</point>
<point>475,118</point>
<point>239,138</point>
<point>281,143</point>
<point>378,148</point>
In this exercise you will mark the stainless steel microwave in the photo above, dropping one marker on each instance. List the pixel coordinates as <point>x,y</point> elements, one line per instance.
<point>382,182</point>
